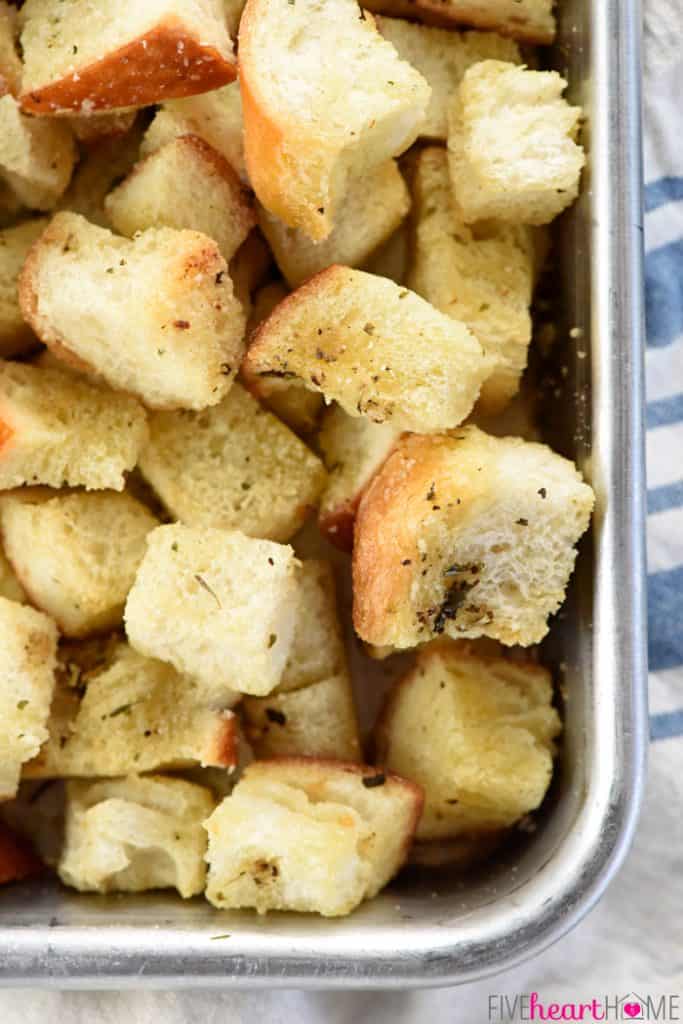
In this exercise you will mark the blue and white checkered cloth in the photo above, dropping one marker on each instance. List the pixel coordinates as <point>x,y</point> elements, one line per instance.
<point>633,941</point>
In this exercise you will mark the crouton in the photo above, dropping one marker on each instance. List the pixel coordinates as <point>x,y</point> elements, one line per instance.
<point>18,860</point>
<point>317,650</point>
<point>59,429</point>
<point>484,282</point>
<point>217,605</point>
<point>376,348</point>
<point>234,466</point>
<point>27,669</point>
<point>312,127</point>
<point>442,57</point>
<point>130,714</point>
<point>371,210</point>
<point>10,64</point>
<point>185,184</point>
<point>316,721</point>
<point>15,334</point>
<point>467,535</point>
<point>134,834</point>
<point>91,129</point>
<point>529,21</point>
<point>37,156</point>
<point>512,144</point>
<point>214,116</point>
<point>10,587</point>
<point>353,449</point>
<point>76,555</point>
<point>476,733</point>
<point>233,12</point>
<point>121,54</point>
<point>289,399</point>
<point>104,164</point>
<point>155,316</point>
<point>309,835</point>
<point>250,267</point>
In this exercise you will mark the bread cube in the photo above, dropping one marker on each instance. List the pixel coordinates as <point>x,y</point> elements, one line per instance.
<point>91,129</point>
<point>369,213</point>
<point>317,650</point>
<point>353,449</point>
<point>121,53</point>
<point>76,555</point>
<point>466,535</point>
<point>37,156</point>
<point>27,671</point>
<point>10,587</point>
<point>155,316</point>
<point>130,714</point>
<point>377,349</point>
<point>316,721</point>
<point>58,429</point>
<point>214,116</point>
<point>250,267</point>
<point>10,64</point>
<point>309,835</point>
<point>15,334</point>
<point>185,184</point>
<point>476,733</point>
<point>134,834</point>
<point>529,21</point>
<point>101,166</point>
<point>288,399</point>
<point>217,605</point>
<point>18,860</point>
<point>314,126</point>
<point>234,466</point>
<point>485,282</point>
<point>442,57</point>
<point>512,144</point>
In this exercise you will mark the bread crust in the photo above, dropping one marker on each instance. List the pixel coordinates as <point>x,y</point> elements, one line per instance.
<point>468,13</point>
<point>167,62</point>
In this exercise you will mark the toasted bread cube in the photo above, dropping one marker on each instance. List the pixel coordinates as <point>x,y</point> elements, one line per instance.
<point>10,64</point>
<point>27,673</point>
<point>353,449</point>
<point>309,835</point>
<point>217,605</point>
<point>484,282</point>
<point>136,715</point>
<point>121,53</point>
<point>15,334</point>
<point>134,834</point>
<point>369,213</point>
<point>468,535</point>
<point>76,555</point>
<point>377,349</point>
<point>37,156</point>
<point>214,116</point>
<point>58,429</point>
<point>233,12</point>
<point>317,650</point>
<point>316,721</point>
<point>155,316</point>
<point>250,267</point>
<point>289,399</point>
<point>91,129</point>
<point>442,58</point>
<point>234,466</point>
<point>512,144</point>
<point>185,184</point>
<point>18,860</point>
<point>104,163</point>
<point>312,126</point>
<point>529,21</point>
<point>10,587</point>
<point>476,733</point>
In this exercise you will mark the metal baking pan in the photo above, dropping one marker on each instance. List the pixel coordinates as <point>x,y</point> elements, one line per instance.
<point>439,930</point>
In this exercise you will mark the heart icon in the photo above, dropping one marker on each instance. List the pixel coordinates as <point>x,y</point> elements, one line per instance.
<point>632,1009</point>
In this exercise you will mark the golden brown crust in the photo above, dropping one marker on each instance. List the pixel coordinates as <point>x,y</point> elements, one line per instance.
<point>165,63</point>
<point>337,523</point>
<point>441,15</point>
<point>224,751</point>
<point>17,858</point>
